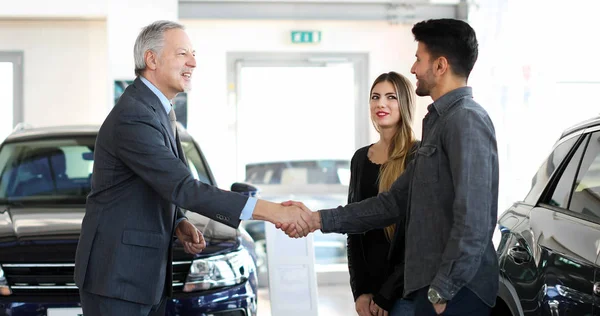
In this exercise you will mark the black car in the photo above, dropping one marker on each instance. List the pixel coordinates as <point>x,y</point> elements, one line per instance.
<point>550,242</point>
<point>44,181</point>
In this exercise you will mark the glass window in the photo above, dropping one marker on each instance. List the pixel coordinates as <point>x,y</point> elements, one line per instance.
<point>195,162</point>
<point>299,172</point>
<point>585,199</point>
<point>562,191</point>
<point>62,168</point>
<point>6,99</point>
<point>44,168</point>
<point>541,178</point>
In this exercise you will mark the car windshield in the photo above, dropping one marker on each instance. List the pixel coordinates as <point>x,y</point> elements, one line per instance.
<point>60,169</point>
<point>299,172</point>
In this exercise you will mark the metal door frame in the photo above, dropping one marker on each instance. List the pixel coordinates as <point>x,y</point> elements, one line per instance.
<point>360,61</point>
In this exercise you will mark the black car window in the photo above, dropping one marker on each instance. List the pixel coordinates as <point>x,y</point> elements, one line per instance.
<point>564,186</point>
<point>541,178</point>
<point>585,199</point>
<point>61,168</point>
<point>47,168</point>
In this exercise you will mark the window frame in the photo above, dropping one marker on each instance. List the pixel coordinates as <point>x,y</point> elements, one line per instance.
<point>551,186</point>
<point>536,200</point>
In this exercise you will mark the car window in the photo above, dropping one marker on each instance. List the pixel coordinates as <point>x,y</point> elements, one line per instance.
<point>541,178</point>
<point>43,168</point>
<point>585,199</point>
<point>195,162</point>
<point>52,169</point>
<point>562,191</point>
<point>299,172</point>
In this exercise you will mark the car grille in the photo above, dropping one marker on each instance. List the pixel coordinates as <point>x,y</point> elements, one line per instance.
<point>57,278</point>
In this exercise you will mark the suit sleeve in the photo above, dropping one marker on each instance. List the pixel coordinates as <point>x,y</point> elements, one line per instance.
<point>356,262</point>
<point>140,145</point>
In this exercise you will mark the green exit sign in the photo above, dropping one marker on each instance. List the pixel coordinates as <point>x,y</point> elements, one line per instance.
<point>300,37</point>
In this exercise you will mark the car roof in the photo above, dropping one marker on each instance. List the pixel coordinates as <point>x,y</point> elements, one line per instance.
<point>65,130</point>
<point>582,125</point>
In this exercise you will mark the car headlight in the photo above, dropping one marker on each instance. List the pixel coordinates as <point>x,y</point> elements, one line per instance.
<point>219,271</point>
<point>4,288</point>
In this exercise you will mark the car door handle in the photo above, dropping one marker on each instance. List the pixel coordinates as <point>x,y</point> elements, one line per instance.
<point>597,288</point>
<point>519,253</point>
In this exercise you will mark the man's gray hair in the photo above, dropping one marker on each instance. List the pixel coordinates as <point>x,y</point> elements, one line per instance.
<point>151,38</point>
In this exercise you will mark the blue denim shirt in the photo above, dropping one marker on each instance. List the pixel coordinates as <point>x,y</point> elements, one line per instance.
<point>449,194</point>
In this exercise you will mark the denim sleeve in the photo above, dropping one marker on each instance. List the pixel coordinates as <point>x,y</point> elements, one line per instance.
<point>470,144</point>
<point>376,212</point>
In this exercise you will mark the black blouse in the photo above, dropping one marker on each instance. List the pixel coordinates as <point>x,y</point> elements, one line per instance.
<point>371,271</point>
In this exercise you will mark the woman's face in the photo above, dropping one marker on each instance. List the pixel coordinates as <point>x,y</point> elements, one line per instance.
<point>385,110</point>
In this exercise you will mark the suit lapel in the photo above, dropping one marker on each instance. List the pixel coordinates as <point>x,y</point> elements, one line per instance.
<point>180,151</point>
<point>151,99</point>
<point>164,121</point>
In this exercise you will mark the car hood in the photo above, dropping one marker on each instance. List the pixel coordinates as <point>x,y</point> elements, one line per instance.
<point>50,234</point>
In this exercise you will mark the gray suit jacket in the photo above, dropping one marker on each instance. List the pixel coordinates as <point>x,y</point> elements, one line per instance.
<point>138,181</point>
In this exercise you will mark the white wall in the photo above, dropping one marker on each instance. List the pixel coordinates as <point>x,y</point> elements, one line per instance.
<point>125,20</point>
<point>53,9</point>
<point>65,69</point>
<point>536,76</point>
<point>210,118</point>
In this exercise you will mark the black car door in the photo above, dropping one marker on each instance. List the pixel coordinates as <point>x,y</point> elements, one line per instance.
<point>550,257</point>
<point>567,226</point>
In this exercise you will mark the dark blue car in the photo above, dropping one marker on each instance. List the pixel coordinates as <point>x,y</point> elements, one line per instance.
<point>44,180</point>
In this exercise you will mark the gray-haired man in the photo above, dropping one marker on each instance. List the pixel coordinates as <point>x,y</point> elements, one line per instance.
<point>140,179</point>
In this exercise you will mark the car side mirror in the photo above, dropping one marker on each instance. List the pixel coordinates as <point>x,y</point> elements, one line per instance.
<point>245,189</point>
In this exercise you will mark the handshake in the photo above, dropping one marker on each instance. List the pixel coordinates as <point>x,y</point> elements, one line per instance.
<point>296,220</point>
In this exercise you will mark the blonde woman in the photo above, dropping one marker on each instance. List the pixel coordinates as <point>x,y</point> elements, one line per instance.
<point>375,258</point>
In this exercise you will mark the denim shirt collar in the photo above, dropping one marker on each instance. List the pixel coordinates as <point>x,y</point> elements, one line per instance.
<point>163,99</point>
<point>445,102</point>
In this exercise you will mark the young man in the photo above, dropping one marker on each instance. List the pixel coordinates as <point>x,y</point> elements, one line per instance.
<point>449,193</point>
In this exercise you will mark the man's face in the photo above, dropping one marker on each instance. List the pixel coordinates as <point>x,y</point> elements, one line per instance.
<point>423,70</point>
<point>175,63</point>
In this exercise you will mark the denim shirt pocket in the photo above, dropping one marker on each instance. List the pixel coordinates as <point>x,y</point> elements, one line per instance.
<point>427,167</point>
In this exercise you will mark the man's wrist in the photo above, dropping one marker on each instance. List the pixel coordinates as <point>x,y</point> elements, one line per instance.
<point>179,221</point>
<point>315,220</point>
<point>263,211</point>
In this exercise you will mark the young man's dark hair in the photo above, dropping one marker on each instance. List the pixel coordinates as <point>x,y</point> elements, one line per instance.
<point>450,38</point>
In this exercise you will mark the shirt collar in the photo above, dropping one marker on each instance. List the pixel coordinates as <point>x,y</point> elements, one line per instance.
<point>443,104</point>
<point>163,100</point>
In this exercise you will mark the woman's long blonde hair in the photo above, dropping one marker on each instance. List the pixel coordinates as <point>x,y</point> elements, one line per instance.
<point>403,139</point>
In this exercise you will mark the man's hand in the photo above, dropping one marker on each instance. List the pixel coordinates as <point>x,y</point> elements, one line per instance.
<point>191,238</point>
<point>296,219</point>
<point>314,221</point>
<point>376,310</point>
<point>276,213</point>
<point>439,308</point>
<point>362,305</point>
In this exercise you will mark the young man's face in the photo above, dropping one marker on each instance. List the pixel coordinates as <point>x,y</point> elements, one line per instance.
<point>423,70</point>
<point>176,63</point>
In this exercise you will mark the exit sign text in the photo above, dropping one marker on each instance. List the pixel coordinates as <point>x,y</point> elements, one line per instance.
<point>299,37</point>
